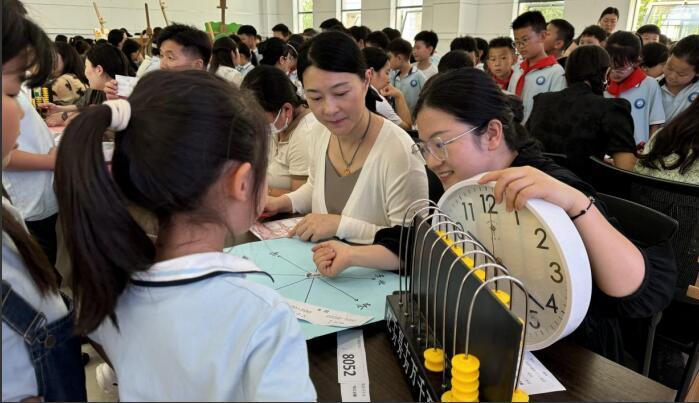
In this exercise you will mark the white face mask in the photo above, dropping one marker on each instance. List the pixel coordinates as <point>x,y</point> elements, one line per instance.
<point>273,127</point>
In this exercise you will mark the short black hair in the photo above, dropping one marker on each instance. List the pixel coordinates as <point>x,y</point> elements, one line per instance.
<point>665,40</point>
<point>359,33</point>
<point>465,43</point>
<point>482,45</point>
<point>61,38</point>
<point>310,32</point>
<point>281,28</point>
<point>190,38</point>
<point>379,39</point>
<point>502,42</point>
<point>596,31</point>
<point>391,33</point>
<point>533,19</point>
<point>623,47</point>
<point>429,37</point>
<point>566,31</point>
<point>688,49</point>
<point>115,37</point>
<point>649,29</point>
<point>588,64</point>
<point>126,31</point>
<point>453,60</point>
<point>653,54</point>
<point>329,23</point>
<point>376,58</point>
<point>400,46</point>
<point>609,10</point>
<point>247,30</point>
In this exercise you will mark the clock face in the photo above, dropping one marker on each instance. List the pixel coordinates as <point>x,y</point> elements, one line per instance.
<point>540,246</point>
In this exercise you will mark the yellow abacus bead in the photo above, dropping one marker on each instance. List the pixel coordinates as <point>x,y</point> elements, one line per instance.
<point>447,397</point>
<point>504,297</point>
<point>434,359</point>
<point>465,397</point>
<point>465,376</point>
<point>464,387</point>
<point>520,396</point>
<point>465,364</point>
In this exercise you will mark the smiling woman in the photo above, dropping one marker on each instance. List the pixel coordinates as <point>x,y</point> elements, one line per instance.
<point>363,174</point>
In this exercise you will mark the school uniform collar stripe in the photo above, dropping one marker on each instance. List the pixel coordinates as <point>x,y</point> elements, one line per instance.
<point>195,267</point>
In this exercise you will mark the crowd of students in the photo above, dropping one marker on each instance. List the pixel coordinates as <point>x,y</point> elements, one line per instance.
<point>218,132</point>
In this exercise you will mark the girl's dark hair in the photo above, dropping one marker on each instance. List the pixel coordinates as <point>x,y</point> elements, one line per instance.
<point>588,63</point>
<point>688,49</point>
<point>596,31</point>
<point>681,137</point>
<point>454,60</point>
<point>165,161</point>
<point>653,54</point>
<point>130,46</point>
<point>271,87</point>
<point>376,58</point>
<point>82,47</point>
<point>377,38</point>
<point>332,51</point>
<point>112,60</point>
<point>272,49</point>
<point>221,54</point>
<point>623,48</point>
<point>20,34</point>
<point>609,10</point>
<point>244,50</point>
<point>466,43</point>
<point>473,98</point>
<point>72,62</point>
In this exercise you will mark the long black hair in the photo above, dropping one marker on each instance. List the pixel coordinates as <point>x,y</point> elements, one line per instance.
<point>72,62</point>
<point>588,63</point>
<point>272,88</point>
<point>112,60</point>
<point>221,54</point>
<point>165,161</point>
<point>272,49</point>
<point>471,97</point>
<point>244,50</point>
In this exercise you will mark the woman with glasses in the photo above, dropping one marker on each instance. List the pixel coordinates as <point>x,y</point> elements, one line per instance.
<point>468,127</point>
<point>362,175</point>
<point>579,121</point>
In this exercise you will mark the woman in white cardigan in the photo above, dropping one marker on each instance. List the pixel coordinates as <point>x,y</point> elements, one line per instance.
<point>362,174</point>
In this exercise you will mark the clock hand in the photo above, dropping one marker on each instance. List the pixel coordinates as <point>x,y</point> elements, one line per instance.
<point>536,302</point>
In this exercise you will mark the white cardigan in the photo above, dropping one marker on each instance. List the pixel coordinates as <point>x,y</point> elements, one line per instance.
<point>392,178</point>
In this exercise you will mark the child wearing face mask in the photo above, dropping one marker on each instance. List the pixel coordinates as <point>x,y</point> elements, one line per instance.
<point>680,87</point>
<point>627,80</point>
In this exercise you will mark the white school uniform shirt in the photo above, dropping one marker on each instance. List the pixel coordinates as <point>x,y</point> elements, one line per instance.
<point>291,157</point>
<point>410,85</point>
<point>245,69</point>
<point>149,63</point>
<point>548,79</point>
<point>32,192</point>
<point>646,107</point>
<point>230,74</point>
<point>391,179</point>
<point>18,376</point>
<point>223,338</point>
<point>384,108</point>
<point>428,72</point>
<point>673,104</point>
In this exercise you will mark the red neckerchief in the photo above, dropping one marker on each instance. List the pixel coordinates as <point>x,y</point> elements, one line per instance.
<point>502,83</point>
<point>526,68</point>
<point>631,81</point>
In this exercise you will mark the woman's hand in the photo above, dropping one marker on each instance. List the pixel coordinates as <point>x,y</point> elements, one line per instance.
<point>518,185</point>
<point>332,257</point>
<point>111,88</point>
<point>276,205</point>
<point>316,227</point>
<point>50,108</point>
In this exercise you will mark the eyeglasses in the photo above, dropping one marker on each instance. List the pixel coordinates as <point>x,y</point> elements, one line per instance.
<point>437,147</point>
<point>521,43</point>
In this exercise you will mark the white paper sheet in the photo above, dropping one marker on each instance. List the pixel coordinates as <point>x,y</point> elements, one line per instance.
<point>355,392</point>
<point>319,315</point>
<point>352,370</point>
<point>536,379</point>
<point>125,85</point>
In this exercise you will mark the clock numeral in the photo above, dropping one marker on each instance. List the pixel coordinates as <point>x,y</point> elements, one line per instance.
<point>533,321</point>
<point>466,210</point>
<point>552,304</point>
<point>491,199</point>
<point>543,239</point>
<point>517,217</point>
<point>557,270</point>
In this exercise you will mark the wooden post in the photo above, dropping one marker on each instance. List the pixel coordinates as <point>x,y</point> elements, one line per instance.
<point>149,30</point>
<point>100,20</point>
<point>222,5</point>
<point>162,8</point>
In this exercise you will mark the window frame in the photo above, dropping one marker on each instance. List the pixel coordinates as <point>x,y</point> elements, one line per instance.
<point>636,21</point>
<point>397,9</point>
<point>344,11</point>
<point>301,14</point>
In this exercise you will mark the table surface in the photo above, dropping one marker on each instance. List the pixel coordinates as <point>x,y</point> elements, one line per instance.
<point>586,375</point>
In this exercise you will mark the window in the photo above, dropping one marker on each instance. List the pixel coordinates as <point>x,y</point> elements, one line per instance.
<point>304,16</point>
<point>550,9</point>
<point>351,12</point>
<point>676,19</point>
<point>409,18</point>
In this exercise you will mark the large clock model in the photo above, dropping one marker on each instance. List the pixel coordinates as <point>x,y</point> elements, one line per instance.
<point>539,245</point>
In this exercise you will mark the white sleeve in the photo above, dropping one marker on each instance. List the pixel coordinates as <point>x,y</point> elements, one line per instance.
<point>145,64</point>
<point>302,198</point>
<point>299,153</point>
<point>276,365</point>
<point>558,81</point>
<point>384,109</point>
<point>656,114</point>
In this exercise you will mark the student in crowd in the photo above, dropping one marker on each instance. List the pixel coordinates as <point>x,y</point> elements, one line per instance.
<point>377,62</point>
<point>360,34</point>
<point>672,153</point>
<point>628,81</point>
<point>649,33</point>
<point>151,61</point>
<point>223,56</point>
<point>467,44</point>
<point>330,23</point>
<point>425,45</point>
<point>538,73</point>
<point>275,52</point>
<point>482,52</point>
<point>579,121</point>
<point>281,31</point>
<point>363,174</point>
<point>377,39</point>
<point>309,33</point>
<point>501,58</point>
<point>608,19</point>
<point>82,47</point>
<point>559,36</point>
<point>247,60</point>
<point>593,35</point>
<point>132,50</point>
<point>116,37</point>
<point>653,58</point>
<point>391,33</point>
<point>290,123</point>
<point>32,370</point>
<point>680,85</point>
<point>405,76</point>
<point>454,60</point>
<point>470,112</point>
<point>295,43</point>
<point>665,40</point>
<point>203,181</point>
<point>69,81</point>
<point>248,35</point>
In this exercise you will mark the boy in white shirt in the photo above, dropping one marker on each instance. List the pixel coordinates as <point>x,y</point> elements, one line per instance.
<point>425,45</point>
<point>404,76</point>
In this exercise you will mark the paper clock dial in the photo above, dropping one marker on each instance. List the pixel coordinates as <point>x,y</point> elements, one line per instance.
<point>540,246</point>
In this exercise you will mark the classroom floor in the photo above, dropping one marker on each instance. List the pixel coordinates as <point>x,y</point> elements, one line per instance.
<point>94,393</point>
